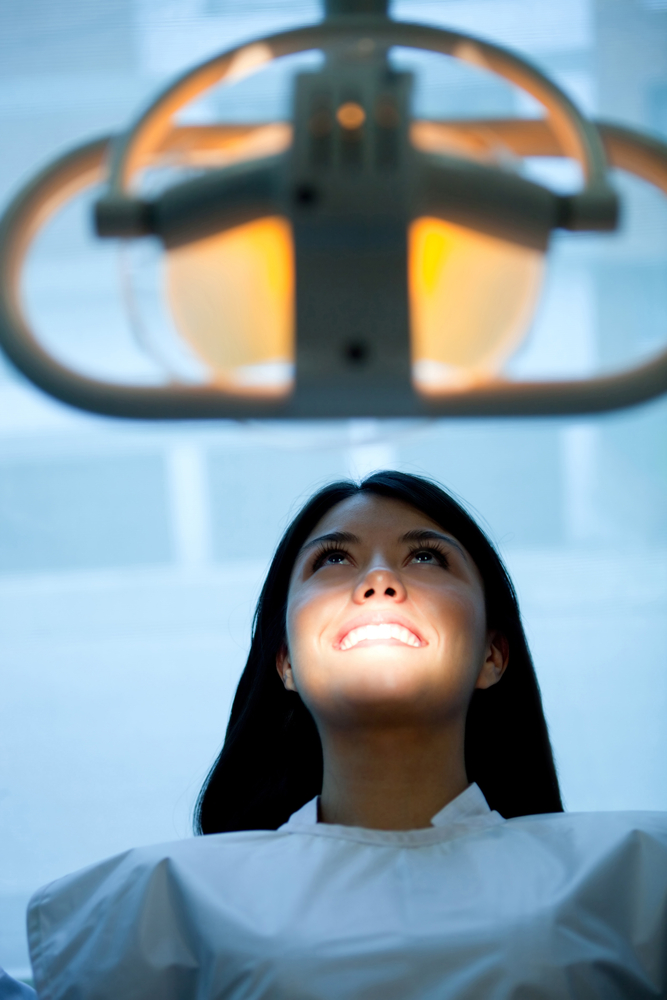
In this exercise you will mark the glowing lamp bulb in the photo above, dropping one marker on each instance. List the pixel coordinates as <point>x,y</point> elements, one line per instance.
<point>472,297</point>
<point>351,115</point>
<point>232,299</point>
<point>471,300</point>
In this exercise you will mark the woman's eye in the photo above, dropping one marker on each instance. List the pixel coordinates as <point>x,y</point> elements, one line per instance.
<point>335,558</point>
<point>429,557</point>
<point>424,557</point>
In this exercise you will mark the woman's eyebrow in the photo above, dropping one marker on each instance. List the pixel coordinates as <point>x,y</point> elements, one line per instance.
<point>427,534</point>
<point>333,536</point>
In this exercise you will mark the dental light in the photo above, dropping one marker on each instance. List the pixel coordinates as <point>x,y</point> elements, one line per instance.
<point>354,262</point>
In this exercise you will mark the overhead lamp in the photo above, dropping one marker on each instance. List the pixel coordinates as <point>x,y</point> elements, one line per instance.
<point>352,262</point>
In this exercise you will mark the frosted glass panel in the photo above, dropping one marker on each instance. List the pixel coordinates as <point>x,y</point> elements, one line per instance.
<point>131,555</point>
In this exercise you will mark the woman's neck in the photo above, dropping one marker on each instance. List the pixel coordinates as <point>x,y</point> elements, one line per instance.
<point>389,778</point>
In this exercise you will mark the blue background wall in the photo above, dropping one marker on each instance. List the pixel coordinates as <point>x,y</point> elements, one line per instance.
<point>130,556</point>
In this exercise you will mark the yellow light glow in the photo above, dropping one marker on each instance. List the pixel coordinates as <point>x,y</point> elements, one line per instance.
<point>232,299</point>
<point>351,115</point>
<point>221,145</point>
<point>471,300</point>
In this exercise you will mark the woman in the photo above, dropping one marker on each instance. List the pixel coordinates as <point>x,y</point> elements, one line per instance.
<point>507,747</point>
<point>389,809</point>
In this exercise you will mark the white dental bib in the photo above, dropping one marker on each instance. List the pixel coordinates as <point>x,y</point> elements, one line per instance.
<point>474,907</point>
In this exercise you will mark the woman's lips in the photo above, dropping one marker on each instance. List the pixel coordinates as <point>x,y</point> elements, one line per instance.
<point>384,632</point>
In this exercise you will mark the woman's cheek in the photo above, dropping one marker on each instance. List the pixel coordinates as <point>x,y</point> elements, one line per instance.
<point>452,609</point>
<point>463,624</point>
<point>302,633</point>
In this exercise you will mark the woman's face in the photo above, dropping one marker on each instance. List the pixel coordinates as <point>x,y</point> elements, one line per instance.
<point>386,618</point>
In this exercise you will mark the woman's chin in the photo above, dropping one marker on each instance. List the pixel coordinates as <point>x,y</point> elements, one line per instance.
<point>381,684</point>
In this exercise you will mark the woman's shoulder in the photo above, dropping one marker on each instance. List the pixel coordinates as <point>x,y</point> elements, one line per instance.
<point>138,862</point>
<point>303,851</point>
<point>220,851</point>
<point>601,827</point>
<point>158,913</point>
<point>589,840</point>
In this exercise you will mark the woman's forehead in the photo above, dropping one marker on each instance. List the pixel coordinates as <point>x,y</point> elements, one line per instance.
<point>367,512</point>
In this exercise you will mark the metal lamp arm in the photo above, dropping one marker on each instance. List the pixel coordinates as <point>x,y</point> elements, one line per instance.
<point>483,198</point>
<point>594,208</point>
<point>479,197</point>
<point>488,200</point>
<point>200,207</point>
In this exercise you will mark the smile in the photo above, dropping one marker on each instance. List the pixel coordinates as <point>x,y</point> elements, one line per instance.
<point>386,632</point>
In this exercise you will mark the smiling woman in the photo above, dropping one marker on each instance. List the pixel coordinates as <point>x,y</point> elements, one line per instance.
<point>395,551</point>
<point>386,805</point>
<point>386,640</point>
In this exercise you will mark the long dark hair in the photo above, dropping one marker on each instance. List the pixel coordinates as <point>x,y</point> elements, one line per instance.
<point>271,761</point>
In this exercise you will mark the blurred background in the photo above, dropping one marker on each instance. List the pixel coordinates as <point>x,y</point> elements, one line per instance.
<point>131,554</point>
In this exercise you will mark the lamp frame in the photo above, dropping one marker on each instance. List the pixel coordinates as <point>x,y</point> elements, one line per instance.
<point>565,132</point>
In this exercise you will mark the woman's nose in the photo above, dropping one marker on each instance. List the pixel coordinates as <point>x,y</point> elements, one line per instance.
<point>379,583</point>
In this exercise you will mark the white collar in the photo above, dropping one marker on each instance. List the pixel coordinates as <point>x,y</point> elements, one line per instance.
<point>469,806</point>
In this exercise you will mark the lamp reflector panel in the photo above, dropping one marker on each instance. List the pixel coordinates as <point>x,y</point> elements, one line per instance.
<point>231,296</point>
<point>472,298</point>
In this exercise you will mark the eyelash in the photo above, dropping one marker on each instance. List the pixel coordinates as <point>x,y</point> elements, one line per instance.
<point>329,548</point>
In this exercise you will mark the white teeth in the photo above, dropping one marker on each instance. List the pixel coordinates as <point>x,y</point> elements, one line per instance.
<point>385,631</point>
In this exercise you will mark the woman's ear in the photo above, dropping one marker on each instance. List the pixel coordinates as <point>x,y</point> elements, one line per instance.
<point>495,662</point>
<point>284,668</point>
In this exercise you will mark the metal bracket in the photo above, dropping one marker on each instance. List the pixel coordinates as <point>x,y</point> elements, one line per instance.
<point>349,191</point>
